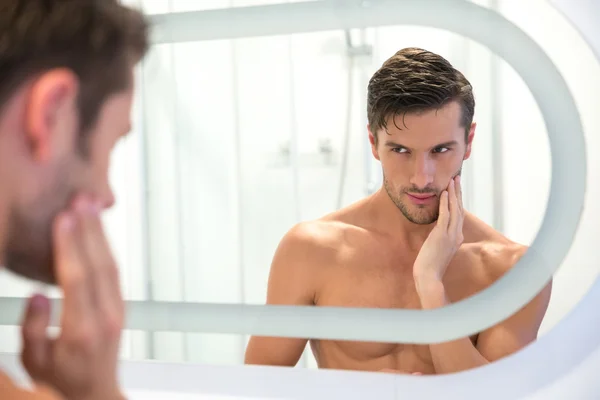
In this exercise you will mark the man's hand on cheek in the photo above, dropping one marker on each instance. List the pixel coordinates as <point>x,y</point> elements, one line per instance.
<point>81,362</point>
<point>442,243</point>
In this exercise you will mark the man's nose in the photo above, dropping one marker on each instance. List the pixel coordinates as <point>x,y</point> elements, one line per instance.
<point>423,172</point>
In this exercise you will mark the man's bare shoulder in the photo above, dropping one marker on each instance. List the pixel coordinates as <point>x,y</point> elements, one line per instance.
<point>323,240</point>
<point>299,266</point>
<point>491,259</point>
<point>490,249</point>
<point>321,236</point>
<point>499,256</point>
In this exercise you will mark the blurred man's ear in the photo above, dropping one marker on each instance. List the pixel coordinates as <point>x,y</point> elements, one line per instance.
<point>51,114</point>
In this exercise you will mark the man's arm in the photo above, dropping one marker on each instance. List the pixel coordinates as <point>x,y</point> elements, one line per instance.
<point>517,331</point>
<point>292,281</point>
<point>506,338</point>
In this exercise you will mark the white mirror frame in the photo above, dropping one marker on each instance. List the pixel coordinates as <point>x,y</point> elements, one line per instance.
<point>480,311</point>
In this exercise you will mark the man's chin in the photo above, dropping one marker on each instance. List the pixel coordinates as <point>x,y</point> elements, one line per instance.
<point>42,275</point>
<point>420,219</point>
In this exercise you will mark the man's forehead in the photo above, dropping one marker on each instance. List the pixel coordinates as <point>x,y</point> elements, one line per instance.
<point>436,124</point>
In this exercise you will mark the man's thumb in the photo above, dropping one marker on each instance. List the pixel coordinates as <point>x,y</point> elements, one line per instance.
<point>36,344</point>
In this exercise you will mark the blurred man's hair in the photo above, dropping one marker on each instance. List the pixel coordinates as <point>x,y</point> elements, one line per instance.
<point>98,40</point>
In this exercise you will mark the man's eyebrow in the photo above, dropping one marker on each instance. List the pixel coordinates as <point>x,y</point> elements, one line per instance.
<point>389,143</point>
<point>451,143</point>
<point>446,144</point>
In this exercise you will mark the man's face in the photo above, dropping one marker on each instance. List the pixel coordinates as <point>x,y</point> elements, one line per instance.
<point>54,169</point>
<point>419,160</point>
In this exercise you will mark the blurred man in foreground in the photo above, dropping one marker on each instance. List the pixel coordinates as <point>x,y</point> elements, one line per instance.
<point>66,88</point>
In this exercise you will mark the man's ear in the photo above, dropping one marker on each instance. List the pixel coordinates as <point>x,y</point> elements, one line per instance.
<point>51,113</point>
<point>373,141</point>
<point>470,137</point>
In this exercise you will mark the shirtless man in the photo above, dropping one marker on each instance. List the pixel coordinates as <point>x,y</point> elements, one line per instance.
<point>410,245</point>
<point>66,88</point>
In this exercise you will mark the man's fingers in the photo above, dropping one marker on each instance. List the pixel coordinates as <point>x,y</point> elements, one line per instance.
<point>105,276</point>
<point>36,345</point>
<point>459,194</point>
<point>461,211</point>
<point>71,273</point>
<point>453,206</point>
<point>444,214</point>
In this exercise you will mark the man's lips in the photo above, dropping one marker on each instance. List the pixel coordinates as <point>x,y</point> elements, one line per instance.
<point>421,196</point>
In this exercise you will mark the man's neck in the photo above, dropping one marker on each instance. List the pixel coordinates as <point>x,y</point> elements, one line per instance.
<point>11,118</point>
<point>391,220</point>
<point>3,229</point>
<point>5,190</point>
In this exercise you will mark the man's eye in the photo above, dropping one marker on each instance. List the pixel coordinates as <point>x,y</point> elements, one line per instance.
<point>440,150</point>
<point>399,150</point>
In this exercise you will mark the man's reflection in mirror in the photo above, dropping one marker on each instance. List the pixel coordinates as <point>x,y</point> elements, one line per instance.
<point>411,244</point>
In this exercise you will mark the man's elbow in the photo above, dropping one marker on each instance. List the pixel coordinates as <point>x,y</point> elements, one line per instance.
<point>267,352</point>
<point>253,355</point>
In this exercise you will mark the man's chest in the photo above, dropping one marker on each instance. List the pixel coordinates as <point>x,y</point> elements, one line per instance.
<point>386,281</point>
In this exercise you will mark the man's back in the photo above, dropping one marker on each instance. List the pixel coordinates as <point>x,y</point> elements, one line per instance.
<point>345,260</point>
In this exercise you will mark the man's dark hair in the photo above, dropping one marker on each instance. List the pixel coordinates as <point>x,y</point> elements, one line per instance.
<point>415,80</point>
<point>98,40</point>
